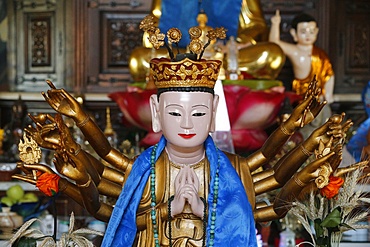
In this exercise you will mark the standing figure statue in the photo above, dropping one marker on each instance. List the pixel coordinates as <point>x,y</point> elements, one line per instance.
<point>183,191</point>
<point>308,60</point>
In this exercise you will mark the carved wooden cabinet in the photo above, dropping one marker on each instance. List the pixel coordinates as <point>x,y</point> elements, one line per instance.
<point>349,47</point>
<point>37,44</point>
<point>80,45</point>
<point>112,32</point>
<point>85,45</point>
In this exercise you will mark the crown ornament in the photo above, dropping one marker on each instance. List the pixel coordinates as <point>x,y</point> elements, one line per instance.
<point>174,35</point>
<point>187,69</point>
<point>185,73</point>
<point>29,151</point>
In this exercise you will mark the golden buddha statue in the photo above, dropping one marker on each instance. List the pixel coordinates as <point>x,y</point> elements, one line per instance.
<point>183,191</point>
<point>260,60</point>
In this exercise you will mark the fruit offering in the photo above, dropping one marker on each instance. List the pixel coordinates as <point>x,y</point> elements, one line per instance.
<point>15,194</point>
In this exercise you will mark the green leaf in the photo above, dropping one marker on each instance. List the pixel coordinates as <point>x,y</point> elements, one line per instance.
<point>318,228</point>
<point>25,242</point>
<point>332,219</point>
<point>348,226</point>
<point>322,241</point>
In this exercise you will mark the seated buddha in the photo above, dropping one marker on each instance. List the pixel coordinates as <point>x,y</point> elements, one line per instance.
<point>257,60</point>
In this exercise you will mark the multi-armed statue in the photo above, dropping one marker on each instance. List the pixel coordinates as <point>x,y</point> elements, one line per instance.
<point>183,191</point>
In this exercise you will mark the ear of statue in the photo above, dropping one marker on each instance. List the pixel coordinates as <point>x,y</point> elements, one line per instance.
<point>215,105</point>
<point>154,108</point>
<point>293,32</point>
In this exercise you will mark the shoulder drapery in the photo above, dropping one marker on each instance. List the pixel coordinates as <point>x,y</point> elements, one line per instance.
<point>320,67</point>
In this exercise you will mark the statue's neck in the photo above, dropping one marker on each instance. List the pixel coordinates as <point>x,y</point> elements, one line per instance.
<point>181,155</point>
<point>305,47</point>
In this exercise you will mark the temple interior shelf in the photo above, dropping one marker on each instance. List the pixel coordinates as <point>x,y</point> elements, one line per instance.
<point>353,244</point>
<point>4,185</point>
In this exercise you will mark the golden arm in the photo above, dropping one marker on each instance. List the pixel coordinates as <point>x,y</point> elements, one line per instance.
<point>64,103</point>
<point>303,114</point>
<point>291,191</point>
<point>291,162</point>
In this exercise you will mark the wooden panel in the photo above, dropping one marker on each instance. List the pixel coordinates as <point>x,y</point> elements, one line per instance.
<point>350,45</point>
<point>113,32</point>
<point>121,34</point>
<point>358,47</point>
<point>36,44</point>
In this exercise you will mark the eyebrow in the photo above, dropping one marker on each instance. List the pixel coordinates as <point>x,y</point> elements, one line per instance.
<point>182,106</point>
<point>173,105</point>
<point>199,105</point>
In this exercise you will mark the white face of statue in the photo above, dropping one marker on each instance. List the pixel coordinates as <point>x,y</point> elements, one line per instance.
<point>185,118</point>
<point>306,33</point>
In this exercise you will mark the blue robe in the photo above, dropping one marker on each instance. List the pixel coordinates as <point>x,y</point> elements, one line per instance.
<point>235,224</point>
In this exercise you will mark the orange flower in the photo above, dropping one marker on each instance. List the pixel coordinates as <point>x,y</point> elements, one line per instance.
<point>48,183</point>
<point>332,188</point>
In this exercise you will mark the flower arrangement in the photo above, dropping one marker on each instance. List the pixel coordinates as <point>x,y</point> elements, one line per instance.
<point>26,235</point>
<point>336,207</point>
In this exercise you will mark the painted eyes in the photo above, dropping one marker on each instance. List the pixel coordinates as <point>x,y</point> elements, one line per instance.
<point>197,114</point>
<point>175,114</point>
<point>307,31</point>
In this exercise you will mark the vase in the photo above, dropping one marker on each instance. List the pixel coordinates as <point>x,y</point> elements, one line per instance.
<point>8,222</point>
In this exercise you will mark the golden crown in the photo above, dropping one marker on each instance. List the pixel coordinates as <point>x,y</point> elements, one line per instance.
<point>184,73</point>
<point>182,70</point>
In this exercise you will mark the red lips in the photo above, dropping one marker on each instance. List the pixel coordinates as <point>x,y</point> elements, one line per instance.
<point>187,136</point>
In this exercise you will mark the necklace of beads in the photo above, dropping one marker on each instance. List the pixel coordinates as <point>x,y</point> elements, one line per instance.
<point>214,202</point>
<point>153,201</point>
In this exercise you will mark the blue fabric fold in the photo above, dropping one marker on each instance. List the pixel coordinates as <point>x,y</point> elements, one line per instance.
<point>183,15</point>
<point>359,140</point>
<point>121,229</point>
<point>235,224</point>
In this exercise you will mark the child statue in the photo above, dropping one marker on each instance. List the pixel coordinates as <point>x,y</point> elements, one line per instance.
<point>307,59</point>
<point>183,191</point>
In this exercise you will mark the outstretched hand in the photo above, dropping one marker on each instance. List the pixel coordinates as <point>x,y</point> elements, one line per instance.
<point>309,108</point>
<point>331,129</point>
<point>30,172</point>
<point>336,159</point>
<point>186,190</point>
<point>62,102</point>
<point>312,170</point>
<point>276,19</point>
<point>45,132</point>
<point>66,139</point>
<point>65,159</point>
